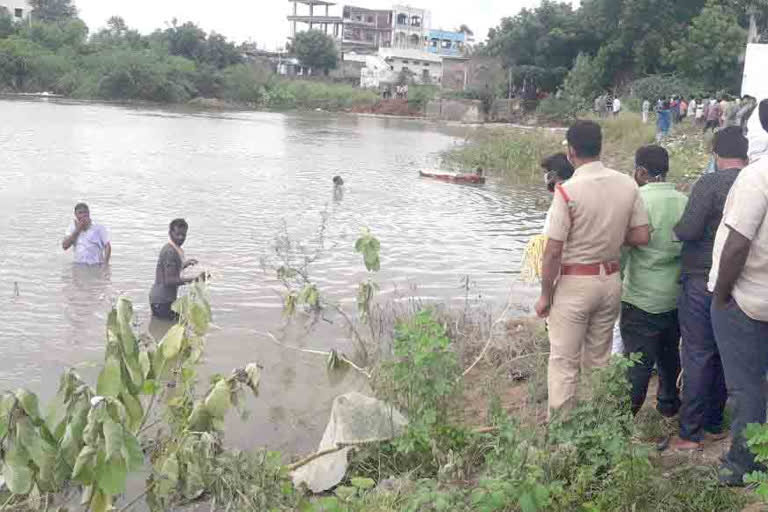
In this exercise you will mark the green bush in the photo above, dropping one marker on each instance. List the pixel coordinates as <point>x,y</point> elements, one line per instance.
<point>516,154</point>
<point>420,95</point>
<point>564,109</point>
<point>661,86</point>
<point>584,80</point>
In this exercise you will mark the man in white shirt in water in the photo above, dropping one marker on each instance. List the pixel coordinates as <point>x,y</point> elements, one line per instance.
<point>91,241</point>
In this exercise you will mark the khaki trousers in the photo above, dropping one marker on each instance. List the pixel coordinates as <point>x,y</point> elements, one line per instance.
<point>584,310</point>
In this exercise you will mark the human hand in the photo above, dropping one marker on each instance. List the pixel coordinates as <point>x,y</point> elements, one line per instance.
<point>720,302</point>
<point>82,224</point>
<point>543,305</point>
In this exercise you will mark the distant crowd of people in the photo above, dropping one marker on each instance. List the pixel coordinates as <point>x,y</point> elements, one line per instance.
<point>686,277</point>
<point>708,113</point>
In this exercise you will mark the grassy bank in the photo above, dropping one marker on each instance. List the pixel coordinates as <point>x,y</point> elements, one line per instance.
<point>480,442</point>
<point>472,386</point>
<point>515,153</point>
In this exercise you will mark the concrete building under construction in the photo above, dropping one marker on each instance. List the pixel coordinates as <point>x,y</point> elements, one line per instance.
<point>308,15</point>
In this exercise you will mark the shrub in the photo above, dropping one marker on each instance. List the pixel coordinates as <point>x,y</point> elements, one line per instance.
<point>584,80</point>
<point>562,109</point>
<point>661,86</point>
<point>514,153</point>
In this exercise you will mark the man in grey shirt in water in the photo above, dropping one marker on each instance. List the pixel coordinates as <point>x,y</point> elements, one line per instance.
<point>168,278</point>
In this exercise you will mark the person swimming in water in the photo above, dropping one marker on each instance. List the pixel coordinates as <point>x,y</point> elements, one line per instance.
<point>337,181</point>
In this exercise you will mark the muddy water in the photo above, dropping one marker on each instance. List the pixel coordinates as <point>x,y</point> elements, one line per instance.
<point>238,178</point>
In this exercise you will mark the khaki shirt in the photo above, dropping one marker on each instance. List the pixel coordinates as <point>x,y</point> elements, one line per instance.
<point>746,211</point>
<point>602,206</point>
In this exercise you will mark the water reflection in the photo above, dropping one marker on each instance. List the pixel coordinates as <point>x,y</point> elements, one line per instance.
<point>237,178</point>
<point>88,293</point>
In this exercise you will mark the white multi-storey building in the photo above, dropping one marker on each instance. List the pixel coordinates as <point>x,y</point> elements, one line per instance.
<point>18,9</point>
<point>410,27</point>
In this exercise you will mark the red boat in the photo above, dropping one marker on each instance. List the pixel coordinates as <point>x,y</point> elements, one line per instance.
<point>451,177</point>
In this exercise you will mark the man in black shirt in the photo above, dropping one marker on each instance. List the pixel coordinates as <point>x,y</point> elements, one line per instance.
<point>704,392</point>
<point>168,278</point>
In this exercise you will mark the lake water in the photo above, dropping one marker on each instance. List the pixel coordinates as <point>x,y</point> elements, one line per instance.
<point>237,178</point>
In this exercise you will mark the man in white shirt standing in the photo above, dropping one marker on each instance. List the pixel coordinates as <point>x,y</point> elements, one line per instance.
<point>616,106</point>
<point>739,282</point>
<point>91,241</point>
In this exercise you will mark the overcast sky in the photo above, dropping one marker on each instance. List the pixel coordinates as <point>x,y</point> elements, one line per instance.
<point>263,21</point>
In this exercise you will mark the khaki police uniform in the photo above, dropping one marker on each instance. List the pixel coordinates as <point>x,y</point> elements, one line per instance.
<point>591,213</point>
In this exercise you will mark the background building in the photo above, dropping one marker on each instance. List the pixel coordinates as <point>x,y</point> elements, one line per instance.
<point>315,14</point>
<point>414,65</point>
<point>443,42</point>
<point>366,30</point>
<point>410,26</point>
<point>18,9</point>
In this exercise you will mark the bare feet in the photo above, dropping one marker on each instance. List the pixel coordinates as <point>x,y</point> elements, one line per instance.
<point>712,437</point>
<point>678,444</point>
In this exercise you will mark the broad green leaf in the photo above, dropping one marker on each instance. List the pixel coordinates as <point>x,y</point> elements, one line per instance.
<point>85,465</point>
<point>46,467</point>
<point>56,417</point>
<point>171,342</point>
<point>254,377</point>
<point>29,403</point>
<point>7,402</point>
<point>110,383</point>
<point>194,486</point>
<point>112,475</point>
<point>363,483</point>
<point>134,370</point>
<point>101,502</point>
<point>113,438</point>
<point>198,315</point>
<point>168,477</point>
<point>16,471</point>
<point>132,452</point>
<point>134,409</point>
<point>219,400</point>
<point>124,317</point>
<point>200,420</point>
<point>62,470</point>
<point>144,363</point>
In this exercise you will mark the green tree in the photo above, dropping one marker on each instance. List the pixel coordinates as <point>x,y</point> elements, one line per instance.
<point>316,50</point>
<point>756,13</point>
<point>7,27</point>
<point>583,81</point>
<point>52,10</point>
<point>712,48</point>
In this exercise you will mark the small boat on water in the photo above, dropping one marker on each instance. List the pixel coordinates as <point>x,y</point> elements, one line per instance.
<point>453,177</point>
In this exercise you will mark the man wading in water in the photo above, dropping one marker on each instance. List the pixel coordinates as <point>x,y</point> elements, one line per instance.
<point>91,241</point>
<point>168,278</point>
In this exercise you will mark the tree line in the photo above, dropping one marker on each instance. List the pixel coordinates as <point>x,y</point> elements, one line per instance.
<point>608,44</point>
<point>54,52</point>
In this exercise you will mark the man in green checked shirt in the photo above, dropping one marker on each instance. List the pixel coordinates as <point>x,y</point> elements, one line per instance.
<point>649,324</point>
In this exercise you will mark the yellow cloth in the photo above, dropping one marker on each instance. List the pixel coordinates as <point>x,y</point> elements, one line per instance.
<point>533,258</point>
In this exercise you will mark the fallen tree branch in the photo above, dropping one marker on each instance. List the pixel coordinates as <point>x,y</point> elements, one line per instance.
<point>342,357</point>
<point>337,448</point>
<point>490,338</point>
<point>352,444</point>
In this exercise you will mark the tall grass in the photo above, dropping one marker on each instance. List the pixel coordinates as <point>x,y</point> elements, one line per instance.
<point>622,136</point>
<point>314,94</point>
<point>513,153</point>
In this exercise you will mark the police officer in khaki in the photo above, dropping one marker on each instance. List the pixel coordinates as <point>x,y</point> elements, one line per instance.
<point>592,215</point>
